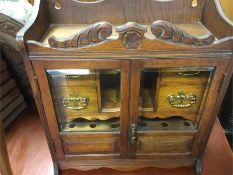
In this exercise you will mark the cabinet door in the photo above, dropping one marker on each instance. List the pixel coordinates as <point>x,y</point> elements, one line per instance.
<point>168,102</point>
<point>84,102</point>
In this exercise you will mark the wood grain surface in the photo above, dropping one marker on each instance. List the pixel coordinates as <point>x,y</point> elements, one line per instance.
<point>122,11</point>
<point>29,153</point>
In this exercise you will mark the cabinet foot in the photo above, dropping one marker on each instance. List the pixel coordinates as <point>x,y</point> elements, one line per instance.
<point>198,167</point>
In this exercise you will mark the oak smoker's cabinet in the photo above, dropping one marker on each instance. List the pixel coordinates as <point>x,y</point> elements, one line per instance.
<point>122,94</point>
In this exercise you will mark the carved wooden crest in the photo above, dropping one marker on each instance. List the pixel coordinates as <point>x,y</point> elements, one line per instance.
<point>92,35</point>
<point>131,34</point>
<point>166,31</point>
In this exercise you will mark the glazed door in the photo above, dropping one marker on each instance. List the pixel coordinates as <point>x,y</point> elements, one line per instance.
<point>169,105</point>
<point>86,105</point>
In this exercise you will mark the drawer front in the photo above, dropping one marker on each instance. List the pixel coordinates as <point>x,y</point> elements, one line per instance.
<point>164,144</point>
<point>71,100</point>
<point>91,144</point>
<point>181,99</point>
<point>91,147</point>
<point>184,77</point>
<point>75,80</point>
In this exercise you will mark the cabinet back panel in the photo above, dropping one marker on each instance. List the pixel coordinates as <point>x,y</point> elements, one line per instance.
<point>122,11</point>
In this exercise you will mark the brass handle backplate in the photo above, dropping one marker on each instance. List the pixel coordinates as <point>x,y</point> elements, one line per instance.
<point>132,133</point>
<point>75,103</point>
<point>181,100</point>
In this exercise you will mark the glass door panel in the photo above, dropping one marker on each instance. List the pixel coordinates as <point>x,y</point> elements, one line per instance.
<point>172,98</point>
<point>86,100</point>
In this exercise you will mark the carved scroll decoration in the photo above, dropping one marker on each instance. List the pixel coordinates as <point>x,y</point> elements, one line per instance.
<point>94,34</point>
<point>9,28</point>
<point>131,34</point>
<point>166,31</point>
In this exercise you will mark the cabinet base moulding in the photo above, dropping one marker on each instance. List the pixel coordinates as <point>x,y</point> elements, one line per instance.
<point>124,164</point>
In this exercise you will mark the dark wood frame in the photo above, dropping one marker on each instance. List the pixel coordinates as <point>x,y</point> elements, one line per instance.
<point>207,114</point>
<point>40,68</point>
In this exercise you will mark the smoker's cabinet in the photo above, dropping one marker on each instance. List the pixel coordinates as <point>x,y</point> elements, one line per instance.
<point>127,84</point>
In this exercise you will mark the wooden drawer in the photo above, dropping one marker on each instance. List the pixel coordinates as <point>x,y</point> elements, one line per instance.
<point>184,77</point>
<point>164,144</point>
<point>69,92</point>
<point>172,91</point>
<point>76,80</point>
<point>68,107</point>
<point>94,144</point>
<point>76,95</point>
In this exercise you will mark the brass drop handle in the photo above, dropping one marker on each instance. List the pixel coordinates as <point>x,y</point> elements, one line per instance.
<point>133,134</point>
<point>72,76</point>
<point>189,73</point>
<point>76,108</point>
<point>178,101</point>
<point>75,103</point>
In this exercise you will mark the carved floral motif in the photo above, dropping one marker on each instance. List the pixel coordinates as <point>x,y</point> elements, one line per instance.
<point>131,39</point>
<point>166,31</point>
<point>92,35</point>
<point>131,34</point>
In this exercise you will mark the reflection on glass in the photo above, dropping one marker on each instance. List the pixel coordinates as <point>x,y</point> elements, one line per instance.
<point>86,100</point>
<point>172,98</point>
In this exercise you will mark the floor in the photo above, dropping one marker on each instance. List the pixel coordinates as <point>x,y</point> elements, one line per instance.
<point>29,154</point>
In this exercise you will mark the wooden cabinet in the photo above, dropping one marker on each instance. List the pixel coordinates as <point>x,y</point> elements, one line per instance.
<point>127,96</point>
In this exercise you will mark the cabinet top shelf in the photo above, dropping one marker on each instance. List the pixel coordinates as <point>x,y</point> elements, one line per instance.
<point>78,24</point>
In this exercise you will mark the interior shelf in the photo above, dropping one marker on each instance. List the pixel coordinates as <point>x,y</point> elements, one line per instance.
<point>82,125</point>
<point>174,123</point>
